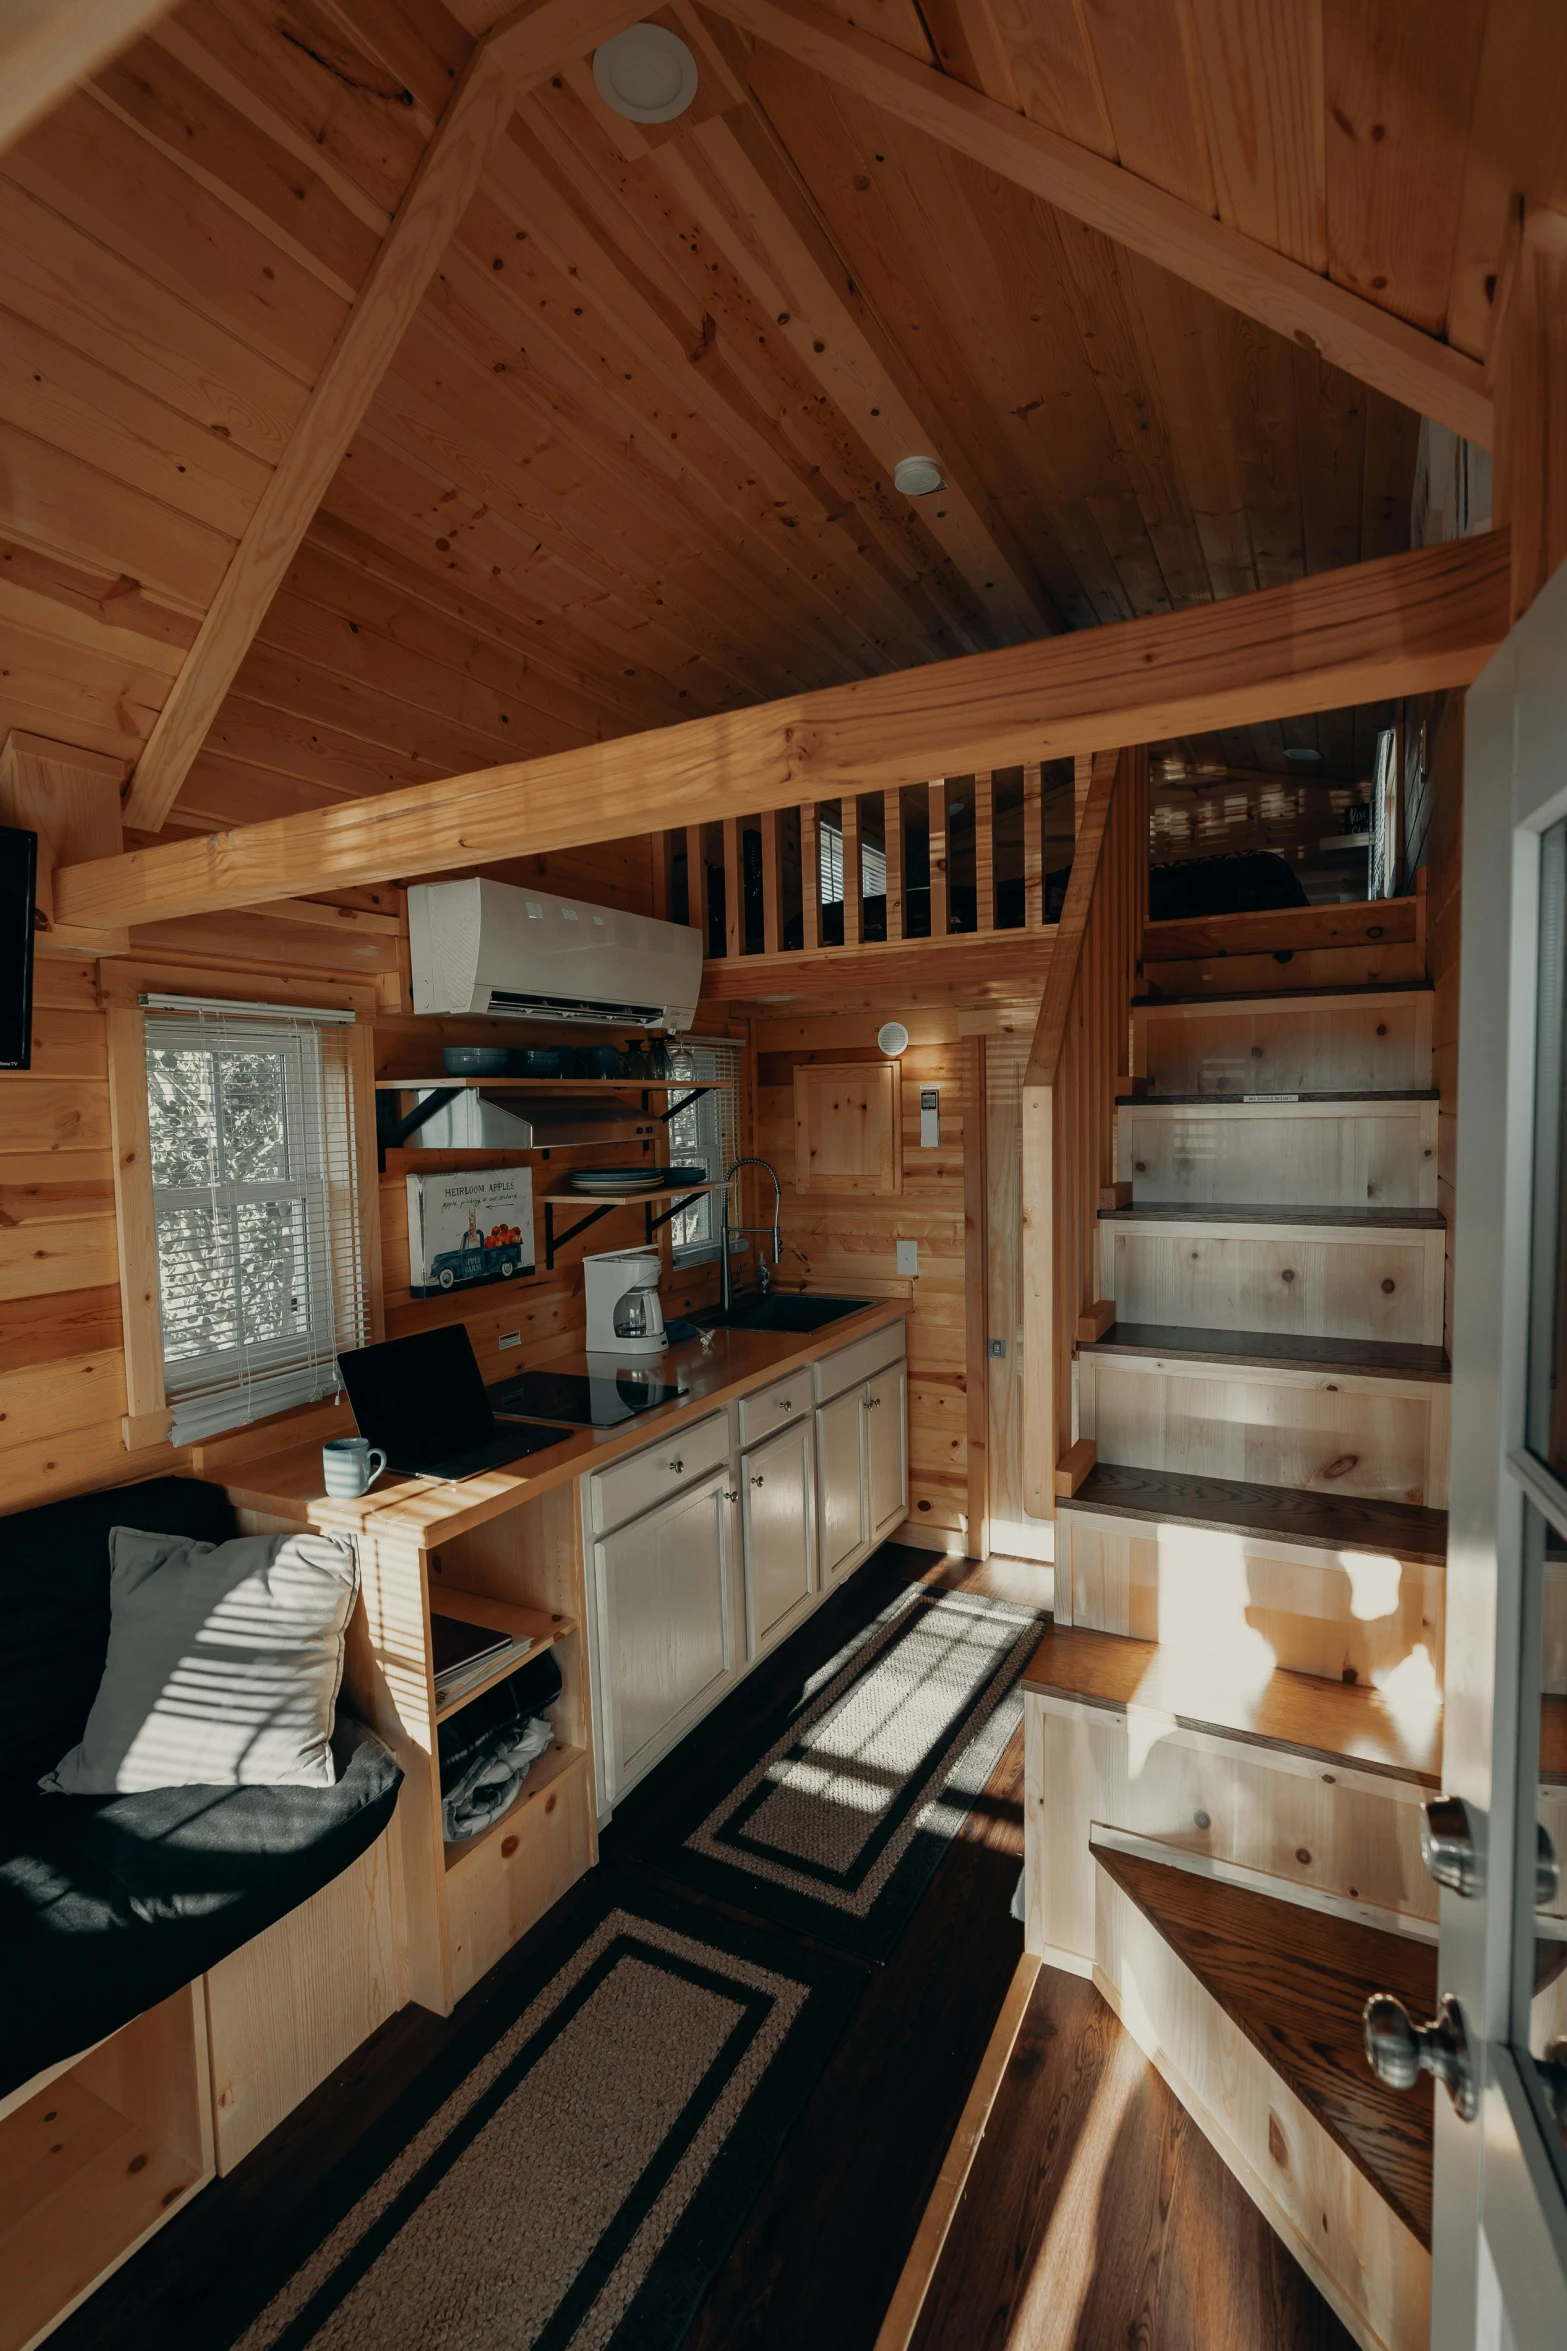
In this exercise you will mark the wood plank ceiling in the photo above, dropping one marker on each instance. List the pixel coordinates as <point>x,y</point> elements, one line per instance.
<point>615,475</point>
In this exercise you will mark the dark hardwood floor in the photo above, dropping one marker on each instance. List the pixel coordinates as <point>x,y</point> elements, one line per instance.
<point>816,2261</point>
<point>1097,2217</point>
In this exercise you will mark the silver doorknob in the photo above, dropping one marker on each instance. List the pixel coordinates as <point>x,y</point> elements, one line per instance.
<point>1449,1846</point>
<point>1399,2051</point>
<point>1553,2080</point>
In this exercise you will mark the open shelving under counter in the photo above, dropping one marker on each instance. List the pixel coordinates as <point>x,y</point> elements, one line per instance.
<point>540,1629</point>
<point>551,1768</point>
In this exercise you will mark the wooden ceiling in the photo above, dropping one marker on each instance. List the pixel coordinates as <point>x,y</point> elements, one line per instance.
<point>631,461</point>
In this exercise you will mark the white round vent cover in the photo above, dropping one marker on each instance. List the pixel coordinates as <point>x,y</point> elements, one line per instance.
<point>893,1038</point>
<point>645,73</point>
<point>917,477</point>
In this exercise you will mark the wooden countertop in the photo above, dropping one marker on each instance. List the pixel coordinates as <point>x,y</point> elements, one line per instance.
<point>428,1510</point>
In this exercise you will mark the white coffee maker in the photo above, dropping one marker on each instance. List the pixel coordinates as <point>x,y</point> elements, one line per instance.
<point>625,1316</point>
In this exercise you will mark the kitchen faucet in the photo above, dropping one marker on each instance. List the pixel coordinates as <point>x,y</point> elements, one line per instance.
<point>725,1228</point>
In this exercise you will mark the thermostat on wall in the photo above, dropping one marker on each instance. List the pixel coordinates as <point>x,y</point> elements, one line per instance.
<point>930,1117</point>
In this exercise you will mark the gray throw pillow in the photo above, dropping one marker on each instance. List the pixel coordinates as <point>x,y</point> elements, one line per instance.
<point>223,1667</point>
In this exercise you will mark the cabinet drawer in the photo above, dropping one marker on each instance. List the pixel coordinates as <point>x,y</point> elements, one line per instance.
<point>775,1407</point>
<point>851,1365</point>
<point>661,1470</point>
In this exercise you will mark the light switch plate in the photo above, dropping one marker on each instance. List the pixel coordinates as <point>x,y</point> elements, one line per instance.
<point>996,1349</point>
<point>930,1118</point>
<point>908,1257</point>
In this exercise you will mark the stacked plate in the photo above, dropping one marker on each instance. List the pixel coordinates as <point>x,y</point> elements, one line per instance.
<point>617,1181</point>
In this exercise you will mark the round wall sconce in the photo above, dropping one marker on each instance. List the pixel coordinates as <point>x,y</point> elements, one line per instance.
<point>917,477</point>
<point>645,73</point>
<point>893,1038</point>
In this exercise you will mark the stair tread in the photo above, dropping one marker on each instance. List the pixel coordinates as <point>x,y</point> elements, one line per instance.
<point>1294,1981</point>
<point>1270,1002</point>
<point>1331,1522</point>
<point>1357,1094</point>
<point>1344,1723</point>
<point>1425,1220</point>
<point>1270,1351</point>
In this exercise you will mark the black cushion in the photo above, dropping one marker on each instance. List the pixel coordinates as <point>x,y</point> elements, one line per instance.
<point>109,1903</point>
<point>54,1604</point>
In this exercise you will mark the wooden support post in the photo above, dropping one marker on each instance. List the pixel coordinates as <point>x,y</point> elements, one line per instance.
<point>984,851</point>
<point>853,880</point>
<point>1082,777</point>
<point>734,890</point>
<point>976,1291</point>
<point>938,858</point>
<point>1074,1465</point>
<point>660,847</point>
<point>71,800</point>
<point>772,885</point>
<point>810,878</point>
<point>1531,408</point>
<point>147,1417</point>
<point>892,835</point>
<point>696,881</point>
<point>1033,846</point>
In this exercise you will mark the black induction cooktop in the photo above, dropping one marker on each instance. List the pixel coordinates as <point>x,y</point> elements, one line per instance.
<point>597,1401</point>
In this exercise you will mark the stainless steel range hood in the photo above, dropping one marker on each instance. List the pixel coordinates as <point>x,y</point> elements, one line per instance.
<point>476,1121</point>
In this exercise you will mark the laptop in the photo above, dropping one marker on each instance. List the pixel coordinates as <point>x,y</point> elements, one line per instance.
<point>421,1400</point>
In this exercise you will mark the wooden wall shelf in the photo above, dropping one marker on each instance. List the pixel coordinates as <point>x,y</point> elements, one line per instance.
<point>552,1085</point>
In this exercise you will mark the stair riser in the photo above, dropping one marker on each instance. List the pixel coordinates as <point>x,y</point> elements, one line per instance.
<point>1332,1831</point>
<point>1371,2268</point>
<point>1380,1045</point>
<point>1217,1278</point>
<point>1340,1615</point>
<point>1386,1440</point>
<point>1317,1155</point>
<point>1385,965</point>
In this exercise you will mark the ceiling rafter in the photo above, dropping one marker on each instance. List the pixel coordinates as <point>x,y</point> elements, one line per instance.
<point>1406,624</point>
<point>517,53</point>
<point>1371,344</point>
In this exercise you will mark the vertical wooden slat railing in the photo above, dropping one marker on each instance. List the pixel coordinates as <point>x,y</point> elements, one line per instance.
<point>892,834</point>
<point>1077,1065</point>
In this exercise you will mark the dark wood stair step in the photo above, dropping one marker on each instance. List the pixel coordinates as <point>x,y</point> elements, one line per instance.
<point>1380,1220</point>
<point>1228,1506</point>
<point>1294,1981</point>
<point>1344,1726</point>
<point>1272,1351</point>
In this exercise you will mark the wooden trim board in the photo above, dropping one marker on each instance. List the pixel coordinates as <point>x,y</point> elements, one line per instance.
<point>914,2282</point>
<point>1402,625</point>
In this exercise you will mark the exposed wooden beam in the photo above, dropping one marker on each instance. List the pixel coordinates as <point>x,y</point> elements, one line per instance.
<point>1531,387</point>
<point>1407,624</point>
<point>48,46</point>
<point>731,173</point>
<point>520,50</point>
<point>1017,961</point>
<point>1369,343</point>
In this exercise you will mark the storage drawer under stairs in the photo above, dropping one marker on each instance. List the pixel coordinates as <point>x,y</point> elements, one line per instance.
<point>1365,1038</point>
<point>1313,1272</point>
<point>1315,1151</point>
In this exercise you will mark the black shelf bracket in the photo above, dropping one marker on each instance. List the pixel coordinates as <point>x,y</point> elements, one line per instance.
<point>685,1099</point>
<point>653,1222</point>
<point>392,1131</point>
<point>554,1240</point>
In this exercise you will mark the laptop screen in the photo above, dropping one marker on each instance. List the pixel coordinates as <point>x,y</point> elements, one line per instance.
<point>420,1398</point>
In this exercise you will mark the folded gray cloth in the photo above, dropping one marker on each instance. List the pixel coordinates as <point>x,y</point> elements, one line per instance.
<point>491,1780</point>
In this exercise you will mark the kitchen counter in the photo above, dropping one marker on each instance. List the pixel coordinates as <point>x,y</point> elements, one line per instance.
<point>289,1486</point>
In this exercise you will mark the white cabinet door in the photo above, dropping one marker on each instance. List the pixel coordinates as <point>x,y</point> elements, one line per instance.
<point>663,1586</point>
<point>840,1482</point>
<point>887,1450</point>
<point>780,1546</point>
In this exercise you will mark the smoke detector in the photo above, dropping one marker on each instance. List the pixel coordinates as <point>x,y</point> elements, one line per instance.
<point>645,73</point>
<point>917,477</point>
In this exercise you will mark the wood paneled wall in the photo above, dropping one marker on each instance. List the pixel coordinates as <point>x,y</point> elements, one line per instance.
<point>1443,718</point>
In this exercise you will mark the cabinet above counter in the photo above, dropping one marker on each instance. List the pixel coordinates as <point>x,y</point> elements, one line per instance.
<point>288,1484</point>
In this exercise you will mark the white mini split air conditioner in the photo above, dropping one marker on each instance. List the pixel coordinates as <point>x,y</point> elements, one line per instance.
<point>481,946</point>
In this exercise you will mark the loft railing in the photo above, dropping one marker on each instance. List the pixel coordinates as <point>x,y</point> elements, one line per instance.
<point>1078,1063</point>
<point>963,855</point>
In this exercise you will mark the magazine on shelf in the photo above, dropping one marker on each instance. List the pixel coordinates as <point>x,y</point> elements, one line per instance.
<point>464,1655</point>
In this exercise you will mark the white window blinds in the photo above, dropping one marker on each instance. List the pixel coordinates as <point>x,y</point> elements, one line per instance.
<point>706,1130</point>
<point>261,1274</point>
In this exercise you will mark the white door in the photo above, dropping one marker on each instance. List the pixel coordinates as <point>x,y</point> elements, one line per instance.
<point>886,1450</point>
<point>663,1586</point>
<point>840,1481</point>
<point>780,1535</point>
<point>1500,2218</point>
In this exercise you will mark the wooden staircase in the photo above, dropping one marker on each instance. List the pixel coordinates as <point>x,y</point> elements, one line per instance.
<point>1237,1715</point>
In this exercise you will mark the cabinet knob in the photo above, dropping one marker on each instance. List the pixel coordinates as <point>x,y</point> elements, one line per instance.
<point>758,1480</point>
<point>871,1403</point>
<point>676,1466</point>
<point>731,1494</point>
<point>784,1403</point>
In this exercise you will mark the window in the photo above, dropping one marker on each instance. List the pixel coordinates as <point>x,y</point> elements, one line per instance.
<point>707,1129</point>
<point>261,1263</point>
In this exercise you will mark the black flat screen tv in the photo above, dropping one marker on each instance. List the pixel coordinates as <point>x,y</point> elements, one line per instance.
<point>18,892</point>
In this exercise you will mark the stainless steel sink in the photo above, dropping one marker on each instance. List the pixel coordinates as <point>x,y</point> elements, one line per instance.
<point>784,1310</point>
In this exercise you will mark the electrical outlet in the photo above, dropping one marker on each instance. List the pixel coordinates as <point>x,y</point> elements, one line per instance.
<point>996,1349</point>
<point>908,1257</point>
<point>509,1339</point>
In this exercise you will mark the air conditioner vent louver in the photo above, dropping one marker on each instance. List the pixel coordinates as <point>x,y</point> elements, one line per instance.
<point>484,947</point>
